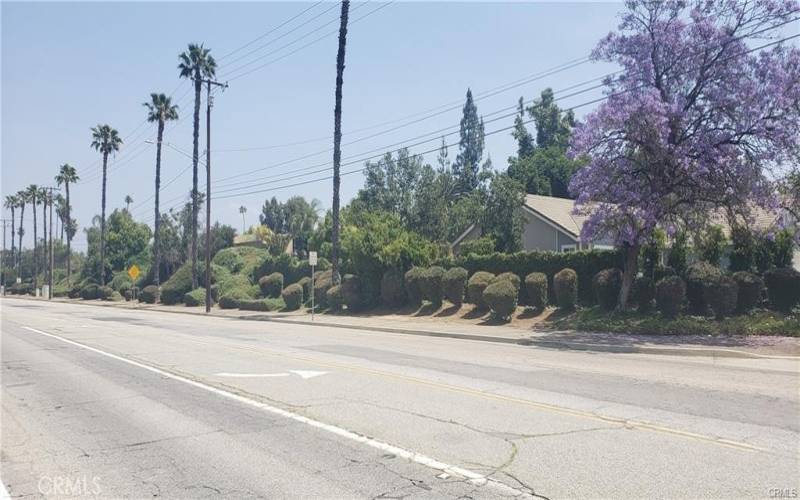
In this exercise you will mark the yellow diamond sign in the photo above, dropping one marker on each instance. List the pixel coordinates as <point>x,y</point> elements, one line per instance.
<point>134,272</point>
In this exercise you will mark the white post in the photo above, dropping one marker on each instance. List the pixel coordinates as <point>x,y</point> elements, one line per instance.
<point>312,259</point>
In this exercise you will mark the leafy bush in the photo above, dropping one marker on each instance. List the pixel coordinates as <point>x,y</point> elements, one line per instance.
<point>431,285</point>
<point>484,245</point>
<point>115,297</point>
<point>90,292</point>
<point>670,293</point>
<point>536,289</point>
<point>721,294</point>
<point>322,282</point>
<point>476,285</point>
<point>149,294</point>
<point>644,292</point>
<point>698,276</point>
<point>607,284</point>
<point>393,294</point>
<point>334,298</point>
<point>232,298</point>
<point>180,283</point>
<point>292,268</point>
<point>711,244</point>
<point>305,284</point>
<point>742,249</point>
<point>351,292</point>
<point>454,283</point>
<point>501,297</point>
<point>510,277</point>
<point>264,305</point>
<point>783,288</point>
<point>271,285</point>
<point>105,293</point>
<point>230,258</point>
<point>196,297</point>
<point>678,252</point>
<point>750,287</point>
<point>565,284</point>
<point>662,272</point>
<point>293,296</point>
<point>121,281</point>
<point>413,281</point>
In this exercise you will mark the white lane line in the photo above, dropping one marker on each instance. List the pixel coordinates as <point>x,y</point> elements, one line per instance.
<point>304,374</point>
<point>473,477</point>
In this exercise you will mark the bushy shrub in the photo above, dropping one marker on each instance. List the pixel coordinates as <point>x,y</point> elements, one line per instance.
<point>393,293</point>
<point>742,249</point>
<point>121,281</point>
<point>710,244</point>
<point>698,276</point>
<point>607,284</point>
<point>262,305</point>
<point>196,297</point>
<point>565,284</point>
<point>476,284</point>
<point>322,282</point>
<point>115,297</point>
<point>334,298</point>
<point>105,292</point>
<point>232,298</point>
<point>292,268</point>
<point>670,293</point>
<point>750,287</point>
<point>454,283</point>
<point>510,277</point>
<point>149,294</point>
<point>351,292</point>
<point>501,298</point>
<point>484,245</point>
<point>431,285</point>
<point>229,258</point>
<point>721,295</point>
<point>413,282</point>
<point>90,292</point>
<point>661,272</point>
<point>536,288</point>
<point>271,285</point>
<point>293,296</point>
<point>678,252</point>
<point>173,290</point>
<point>644,292</point>
<point>783,288</point>
<point>305,284</point>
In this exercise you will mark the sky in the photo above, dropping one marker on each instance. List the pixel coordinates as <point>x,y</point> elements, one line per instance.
<point>69,66</point>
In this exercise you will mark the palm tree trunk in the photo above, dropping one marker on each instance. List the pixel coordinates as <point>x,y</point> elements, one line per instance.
<point>195,157</point>
<point>69,239</point>
<point>35,253</point>
<point>13,253</point>
<point>156,239</point>
<point>21,232</point>
<point>337,140</point>
<point>44,239</point>
<point>103,225</point>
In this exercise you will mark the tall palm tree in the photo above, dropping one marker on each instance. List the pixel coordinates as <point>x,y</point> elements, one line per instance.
<point>128,201</point>
<point>45,197</point>
<point>61,213</point>
<point>337,140</point>
<point>196,64</point>
<point>106,140</point>
<point>66,176</point>
<point>22,196</point>
<point>243,210</point>
<point>11,203</point>
<point>33,194</point>
<point>160,110</point>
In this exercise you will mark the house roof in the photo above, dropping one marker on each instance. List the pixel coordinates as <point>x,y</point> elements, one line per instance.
<point>558,211</point>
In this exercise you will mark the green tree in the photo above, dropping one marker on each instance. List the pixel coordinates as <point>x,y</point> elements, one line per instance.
<point>337,140</point>
<point>11,203</point>
<point>243,210</point>
<point>502,218</point>
<point>196,64</point>
<point>467,167</point>
<point>22,196</point>
<point>390,184</point>
<point>68,175</point>
<point>273,216</point>
<point>106,140</point>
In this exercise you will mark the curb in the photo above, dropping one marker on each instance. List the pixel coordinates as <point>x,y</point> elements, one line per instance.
<point>551,344</point>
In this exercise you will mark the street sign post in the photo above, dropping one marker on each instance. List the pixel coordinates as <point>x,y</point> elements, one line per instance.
<point>133,273</point>
<point>312,260</point>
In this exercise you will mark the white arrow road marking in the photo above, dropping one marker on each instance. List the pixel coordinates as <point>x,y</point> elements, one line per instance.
<point>305,374</point>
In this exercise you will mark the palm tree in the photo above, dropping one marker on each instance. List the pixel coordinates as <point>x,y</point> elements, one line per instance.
<point>45,197</point>
<point>243,210</point>
<point>106,140</point>
<point>22,196</point>
<point>196,64</point>
<point>11,203</point>
<point>66,176</point>
<point>337,140</point>
<point>128,201</point>
<point>160,109</point>
<point>33,193</point>
<point>61,213</point>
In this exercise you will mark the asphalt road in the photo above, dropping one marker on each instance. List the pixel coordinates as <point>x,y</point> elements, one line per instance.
<point>108,402</point>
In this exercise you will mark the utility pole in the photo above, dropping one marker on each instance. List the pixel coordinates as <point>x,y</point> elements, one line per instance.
<point>50,283</point>
<point>209,105</point>
<point>3,259</point>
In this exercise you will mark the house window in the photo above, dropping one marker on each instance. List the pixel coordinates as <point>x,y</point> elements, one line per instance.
<point>568,248</point>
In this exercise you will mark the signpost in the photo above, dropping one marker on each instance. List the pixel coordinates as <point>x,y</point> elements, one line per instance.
<point>312,260</point>
<point>134,273</point>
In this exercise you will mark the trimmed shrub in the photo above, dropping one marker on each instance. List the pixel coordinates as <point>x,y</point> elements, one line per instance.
<point>232,299</point>
<point>484,245</point>
<point>149,294</point>
<point>196,297</point>
<point>721,294</point>
<point>698,276</point>
<point>393,294</point>
<point>263,305</point>
<point>454,283</point>
<point>607,284</point>
<point>644,292</point>
<point>750,288</point>
<point>431,285</point>
<point>783,288</point>
<point>90,292</point>
<point>271,285</point>
<point>230,259</point>
<point>180,283</point>
<point>476,285</point>
<point>121,282</point>
<point>661,272</point>
<point>351,292</point>
<point>565,284</point>
<point>670,293</point>
<point>105,292</point>
<point>334,298</point>
<point>510,277</point>
<point>322,282</point>
<point>305,284</point>
<point>501,297</point>
<point>413,282</point>
<point>536,288</point>
<point>293,296</point>
<point>115,297</point>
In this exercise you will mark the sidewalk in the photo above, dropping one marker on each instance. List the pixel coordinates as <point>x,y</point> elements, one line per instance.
<point>678,345</point>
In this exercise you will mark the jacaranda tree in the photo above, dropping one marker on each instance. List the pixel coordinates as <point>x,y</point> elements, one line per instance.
<point>704,114</point>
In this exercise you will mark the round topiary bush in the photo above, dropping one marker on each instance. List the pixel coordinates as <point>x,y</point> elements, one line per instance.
<point>271,285</point>
<point>232,298</point>
<point>721,294</point>
<point>783,288</point>
<point>431,285</point>
<point>351,292</point>
<point>105,293</point>
<point>644,292</point>
<point>196,297</point>
<point>670,293</point>
<point>607,284</point>
<point>476,285</point>
<point>536,288</point>
<point>305,284</point>
<point>149,294</point>
<point>293,296</point>
<point>413,282</point>
<point>565,286</point>
<point>322,282</point>
<point>230,259</point>
<point>454,283</point>
<point>513,278</point>
<point>334,298</point>
<point>90,292</point>
<point>393,294</point>
<point>121,282</point>
<point>750,288</point>
<point>698,276</point>
<point>501,298</point>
